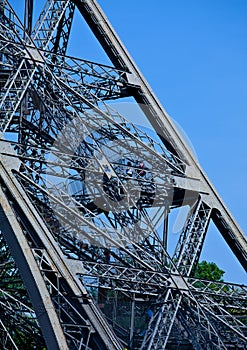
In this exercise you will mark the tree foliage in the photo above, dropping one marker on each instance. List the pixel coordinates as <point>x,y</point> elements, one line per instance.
<point>208,271</point>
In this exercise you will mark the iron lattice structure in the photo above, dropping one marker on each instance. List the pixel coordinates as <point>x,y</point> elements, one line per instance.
<point>83,195</point>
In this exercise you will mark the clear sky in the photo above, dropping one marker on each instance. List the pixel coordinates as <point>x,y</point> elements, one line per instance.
<point>193,53</point>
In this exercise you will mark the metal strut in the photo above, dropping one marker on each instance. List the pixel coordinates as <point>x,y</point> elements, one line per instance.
<point>84,192</point>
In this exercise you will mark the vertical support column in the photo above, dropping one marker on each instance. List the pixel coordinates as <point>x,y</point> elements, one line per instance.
<point>132,320</point>
<point>28,17</point>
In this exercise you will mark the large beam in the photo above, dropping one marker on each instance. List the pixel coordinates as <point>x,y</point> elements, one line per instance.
<point>103,337</point>
<point>17,242</point>
<point>162,122</point>
<point>28,16</point>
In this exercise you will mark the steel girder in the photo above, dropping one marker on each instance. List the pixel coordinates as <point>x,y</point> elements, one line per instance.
<point>83,191</point>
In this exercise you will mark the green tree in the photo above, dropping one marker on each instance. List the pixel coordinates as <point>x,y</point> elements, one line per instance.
<point>209,271</point>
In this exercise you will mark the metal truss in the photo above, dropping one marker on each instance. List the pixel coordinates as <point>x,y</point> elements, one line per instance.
<point>85,202</point>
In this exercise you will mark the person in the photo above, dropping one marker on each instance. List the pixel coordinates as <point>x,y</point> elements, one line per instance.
<point>148,317</point>
<point>149,314</point>
<point>141,172</point>
<point>129,171</point>
<point>107,254</point>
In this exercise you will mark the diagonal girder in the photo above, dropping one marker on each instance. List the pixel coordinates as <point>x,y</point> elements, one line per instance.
<point>189,246</point>
<point>62,275</point>
<point>56,17</point>
<point>94,241</point>
<point>162,123</point>
<point>186,253</point>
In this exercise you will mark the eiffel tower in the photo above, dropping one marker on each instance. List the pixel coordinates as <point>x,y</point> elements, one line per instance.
<point>86,198</point>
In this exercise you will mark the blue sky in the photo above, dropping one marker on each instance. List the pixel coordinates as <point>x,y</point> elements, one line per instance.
<point>193,53</point>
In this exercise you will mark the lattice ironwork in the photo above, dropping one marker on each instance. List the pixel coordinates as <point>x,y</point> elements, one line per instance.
<point>85,197</point>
